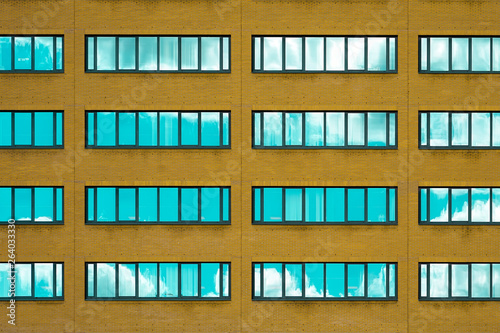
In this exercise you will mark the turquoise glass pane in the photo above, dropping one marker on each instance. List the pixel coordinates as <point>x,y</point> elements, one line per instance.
<point>315,284</point>
<point>356,129</point>
<point>106,280</point>
<point>148,53</point>
<point>459,129</point>
<point>23,280</point>
<point>189,53</point>
<point>126,276</point>
<point>423,129</point>
<point>293,129</point>
<point>126,56</point>
<point>4,282</point>
<point>22,128</point>
<point>225,53</point>
<point>356,53</point>
<point>392,129</point>
<point>273,277</point>
<point>44,280</point>
<point>59,204</point>
<point>335,280</point>
<point>273,128</point>
<point>256,203</point>
<point>496,129</point>
<point>480,286</point>
<point>355,204</point>
<point>273,54</point>
<point>225,204</point>
<point>377,130</point>
<point>335,129</point>
<point>439,49</point>
<point>377,205</point>
<point>439,129</point>
<point>392,280</point>
<point>459,204</point>
<point>210,280</point>
<point>5,204</point>
<point>273,203</point>
<point>148,280</point>
<point>225,280</point>
<point>189,204</point>
<point>315,53</point>
<point>293,280</point>
<point>377,53</point>
<point>438,276</point>
<point>256,279</point>
<point>44,53</point>
<point>392,54</point>
<point>148,204</point>
<point>189,129</point>
<point>459,280</point>
<point>257,53</point>
<point>148,128</point>
<point>423,280</point>
<point>480,211</point>
<point>169,280</point>
<point>169,53</point>
<point>106,129</point>
<point>210,53</point>
<point>5,128</point>
<point>90,204</point>
<point>460,54</point>
<point>22,201</point>
<point>59,128</point>
<point>256,133</point>
<point>169,129</point>
<point>5,53</point>
<point>495,192</point>
<point>423,54</point>
<point>423,204</point>
<point>210,129</point>
<point>22,53</point>
<point>189,280</point>
<point>90,129</point>
<point>225,129</point>
<point>106,53</point>
<point>44,128</point>
<point>59,53</point>
<point>335,205</point>
<point>293,53</point>
<point>44,204</point>
<point>210,204</point>
<point>335,53</point>
<point>90,53</point>
<point>126,128</point>
<point>106,204</point>
<point>169,204</point>
<point>495,292</point>
<point>315,129</point>
<point>377,280</point>
<point>90,280</point>
<point>293,204</point>
<point>315,204</point>
<point>481,129</point>
<point>438,210</point>
<point>392,204</point>
<point>126,204</point>
<point>481,56</point>
<point>496,54</point>
<point>356,280</point>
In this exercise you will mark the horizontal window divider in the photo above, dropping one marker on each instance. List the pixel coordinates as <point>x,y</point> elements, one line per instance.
<point>135,224</point>
<point>325,299</point>
<point>328,224</point>
<point>326,147</point>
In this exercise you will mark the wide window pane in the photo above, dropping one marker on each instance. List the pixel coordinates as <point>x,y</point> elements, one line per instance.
<point>377,129</point>
<point>169,280</point>
<point>273,53</point>
<point>293,280</point>
<point>315,53</point>
<point>459,280</point>
<point>189,204</point>
<point>356,129</point>
<point>438,210</point>
<point>439,129</point>
<point>210,280</point>
<point>355,204</point>
<point>315,202</point>
<point>148,128</point>
<point>126,127</point>
<point>293,204</point>
<point>315,284</point>
<point>459,204</point>
<point>273,132</point>
<point>126,276</point>
<point>480,280</point>
<point>335,205</point>
<point>314,129</point>
<point>106,204</point>
<point>4,280</point>
<point>273,280</point>
<point>44,204</point>
<point>293,53</point>
<point>377,280</point>
<point>439,54</point>
<point>210,204</point>
<point>460,54</point>
<point>273,202</point>
<point>169,204</point>
<point>210,53</point>
<point>44,280</point>
<point>44,129</point>
<point>189,280</point>
<point>106,50</point>
<point>148,201</point>
<point>459,129</point>
<point>210,129</point>
<point>189,129</point>
<point>355,280</point>
<point>23,280</point>
<point>106,280</point>
<point>377,205</point>
<point>5,53</point>
<point>438,275</point>
<point>481,129</point>
<point>480,205</point>
<point>377,53</point>
<point>126,204</point>
<point>5,128</point>
<point>189,53</point>
<point>22,200</point>
<point>335,129</point>
<point>22,53</point>
<point>22,128</point>
<point>169,53</point>
<point>335,280</point>
<point>44,53</point>
<point>169,129</point>
<point>293,129</point>
<point>148,279</point>
<point>356,54</point>
<point>481,54</point>
<point>106,129</point>
<point>335,54</point>
<point>126,57</point>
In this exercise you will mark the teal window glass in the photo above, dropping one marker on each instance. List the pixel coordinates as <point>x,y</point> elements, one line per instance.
<point>126,128</point>
<point>189,129</point>
<point>459,129</point>
<point>273,130</point>
<point>90,204</point>
<point>480,280</point>
<point>481,129</point>
<point>225,204</point>
<point>126,59</point>
<point>377,53</point>
<point>90,53</point>
<point>293,53</point>
<point>106,280</point>
<point>23,280</point>
<point>423,280</point>
<point>148,53</point>
<point>355,280</point>
<point>314,204</point>
<point>148,201</point>
<point>106,204</point>
<point>314,280</point>
<point>22,53</point>
<point>169,53</point>
<point>423,129</point>
<point>44,204</point>
<point>423,204</point>
<point>377,129</point>
<point>481,57</point>
<point>225,129</point>
<point>210,53</point>
<point>126,276</point>
<point>496,128</point>
<point>335,204</point>
<point>355,204</point>
<point>423,54</point>
<point>22,128</point>
<point>335,129</point>
<point>169,280</point>
<point>438,276</point>
<point>59,53</point>
<point>106,53</point>
<point>392,204</point>
<point>293,129</point>
<point>335,53</point>
<point>210,204</point>
<point>392,280</point>
<point>44,280</point>
<point>376,280</point>
<point>439,127</point>
<point>59,204</point>
<point>210,128</point>
<point>169,128</point>
<point>44,129</point>
<point>169,204</point>
<point>126,204</point>
<point>210,279</point>
<point>256,280</point>
<point>106,124</point>
<point>148,279</point>
<point>356,129</point>
<point>5,53</point>
<point>22,199</point>
<point>293,204</point>
<point>377,204</point>
<point>5,128</point>
<point>256,128</point>
<point>460,54</point>
<point>189,53</point>
<point>257,52</point>
<point>315,53</point>
<point>496,54</point>
<point>480,211</point>
<point>225,53</point>
<point>438,210</point>
<point>314,129</point>
<point>273,203</point>
<point>4,282</point>
<point>392,129</point>
<point>90,280</point>
<point>495,192</point>
<point>273,57</point>
<point>439,48</point>
<point>273,277</point>
<point>44,53</point>
<point>148,128</point>
<point>189,280</point>
<point>355,53</point>
<point>495,292</point>
<point>392,54</point>
<point>5,204</point>
<point>335,280</point>
<point>459,280</point>
<point>256,203</point>
<point>189,204</point>
<point>90,129</point>
<point>59,128</point>
<point>459,204</point>
<point>293,280</point>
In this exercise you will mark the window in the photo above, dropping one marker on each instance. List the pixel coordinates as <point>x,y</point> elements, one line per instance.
<point>31,54</point>
<point>461,54</point>
<point>158,54</point>
<point>324,281</point>
<point>158,281</point>
<point>459,130</point>
<point>474,206</point>
<point>459,281</point>
<point>330,130</point>
<point>320,205</point>
<point>33,281</point>
<point>31,129</point>
<point>31,205</point>
<point>158,205</point>
<point>296,54</point>
<point>153,129</point>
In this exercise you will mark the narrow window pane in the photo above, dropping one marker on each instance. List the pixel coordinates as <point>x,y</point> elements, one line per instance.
<point>126,128</point>
<point>459,204</point>
<point>438,275</point>
<point>256,54</point>
<point>90,204</point>
<point>90,280</point>
<point>335,129</point>
<point>22,53</point>
<point>126,204</point>
<point>44,128</point>
<point>356,54</point>
<point>423,280</point>
<point>225,129</point>
<point>439,54</point>
<point>293,53</point>
<point>106,51</point>
<point>439,129</point>
<point>273,54</point>
<point>273,131</point>
<point>189,204</point>
<point>377,129</point>
<point>423,129</point>
<point>126,276</point>
<point>356,129</point>
<point>23,280</point>
<point>377,53</point>
<point>106,129</point>
<point>459,129</point>
<point>496,281</point>
<point>189,53</point>
<point>496,54</point>
<point>460,54</point>
<point>480,205</point>
<point>106,204</point>
<point>189,280</point>
<point>293,280</point>
<point>314,129</point>
<point>169,280</point>
<point>210,53</point>
<point>293,129</point>
<point>481,129</point>
<point>90,128</point>
<point>423,205</point>
<point>496,129</point>
<point>256,203</point>
<point>148,129</point>
<point>5,53</point>
<point>225,204</point>
<point>5,204</point>
<point>480,280</point>
<point>4,280</point>
<point>44,53</point>
<point>59,128</point>
<point>126,57</point>
<point>335,54</point>
<point>423,54</point>
<point>256,132</point>
<point>459,280</point>
<point>377,205</point>
<point>315,284</point>
<point>59,204</point>
<point>210,280</point>
<point>392,280</point>
<point>59,280</point>
<point>356,280</point>
<point>481,54</point>
<point>169,204</point>
<point>210,204</point>
<point>377,280</point>
<point>293,204</point>
<point>169,53</point>
<point>315,205</point>
<point>355,204</point>
<point>22,200</point>
<point>225,54</point>
<point>148,280</point>
<point>148,53</point>
<point>189,129</point>
<point>210,129</point>
<point>273,202</point>
<point>496,205</point>
<point>5,128</point>
<point>335,205</point>
<point>273,278</point>
<point>256,280</point>
<point>44,280</point>
<point>335,280</point>
<point>22,129</point>
<point>44,204</point>
<point>148,201</point>
<point>169,129</point>
<point>438,211</point>
<point>106,280</point>
<point>315,53</point>
<point>90,53</point>
<point>59,53</point>
<point>392,54</point>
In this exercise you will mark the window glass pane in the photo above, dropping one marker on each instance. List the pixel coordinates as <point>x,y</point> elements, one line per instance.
<point>377,205</point>
<point>315,202</point>
<point>377,130</point>
<point>44,204</point>
<point>392,204</point>
<point>480,129</point>
<point>126,57</point>
<point>392,280</point>
<point>439,128</point>
<point>106,50</point>
<point>189,128</point>
<point>273,53</point>
<point>293,53</point>
<point>59,126</point>
<point>5,128</point>
<point>315,284</point>
<point>22,58</point>
<point>189,53</point>
<point>169,53</point>
<point>126,128</point>
<point>189,204</point>
<point>377,53</point>
<point>256,280</point>
<point>496,129</point>
<point>4,280</point>
<point>148,201</point>
<point>225,204</point>
<point>439,54</point>
<point>256,203</point>
<point>210,280</point>
<point>5,53</point>
<point>377,280</point>
<point>273,132</point>
<point>314,129</point>
<point>256,132</point>
<point>256,54</point>
<point>335,205</point>
<point>335,280</point>
<point>480,280</point>
<point>315,53</point>
<point>59,204</point>
<point>59,53</point>
<point>44,53</point>
<point>293,204</point>
<point>90,128</point>
<point>459,280</point>
<point>90,280</point>
<point>148,280</point>
<point>5,204</point>
<point>273,280</point>
<point>293,129</point>
<point>496,54</point>
<point>480,205</point>
<point>44,129</point>
<point>392,129</point>
<point>126,204</point>
<point>438,275</point>
<point>423,54</point>
<point>423,204</point>
<point>423,129</point>
<point>22,200</point>
<point>356,129</point>
<point>335,56</point>
<point>106,129</point>
<point>459,129</point>
<point>481,54</point>
<point>356,54</point>
<point>23,279</point>
<point>438,210</point>
<point>22,129</point>
<point>273,202</point>
<point>496,280</point>
<point>392,54</point>
<point>210,128</point>
<point>356,280</point>
<point>106,280</point>
<point>423,280</point>
<point>169,280</point>
<point>335,129</point>
<point>459,204</point>
<point>460,54</point>
<point>225,55</point>
<point>44,280</point>
<point>210,53</point>
<point>148,128</point>
<point>148,53</point>
<point>169,129</point>
<point>90,53</point>
<point>106,204</point>
<point>210,204</point>
<point>293,280</point>
<point>189,280</point>
<point>169,204</point>
<point>496,205</point>
<point>355,204</point>
<point>225,129</point>
<point>90,204</point>
<point>126,276</point>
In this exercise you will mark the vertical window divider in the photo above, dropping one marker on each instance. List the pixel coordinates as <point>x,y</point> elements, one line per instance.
<point>55,130</point>
<point>469,280</point>
<point>117,50</point>
<point>54,204</point>
<point>262,205</point>
<point>261,134</point>
<point>94,279</point>
<point>346,283</point>
<point>179,129</point>
<point>221,209</point>
<point>179,61</point>
<point>12,202</point>
<point>303,192</point>
<point>13,128</point>
<point>95,128</point>
<point>365,280</point>
<point>325,70</point>
<point>324,271</point>
<point>13,52</point>
<point>365,191</point>
<point>419,279</point>
<point>283,290</point>
<point>136,124</point>
<point>469,47</point>
<point>428,42</point>
<point>283,203</point>
<point>469,134</point>
<point>95,53</point>
<point>303,266</point>
<point>136,287</point>
<point>158,121</point>
<point>158,204</point>
<point>428,120</point>
<point>324,129</point>
<point>303,129</point>
<point>388,204</point>
<point>491,55</point>
<point>388,55</point>
<point>283,54</point>
<point>221,64</point>
<point>365,130</point>
<point>158,125</point>
<point>199,205</point>
<point>491,128</point>
<point>449,281</point>
<point>283,137</point>
<point>388,128</point>
<point>221,270</point>
<point>32,266</point>
<point>199,54</point>
<point>428,199</point>
<point>491,269</point>
<point>346,200</point>
<point>387,285</point>
<point>261,279</point>
<point>54,53</point>
<point>221,127</point>
<point>450,129</point>
<point>491,204</point>
<point>117,204</point>
<point>117,281</point>
<point>365,39</point>
<point>117,127</point>
<point>32,54</point>
<point>157,277</point>
<point>179,277</point>
<point>199,128</point>
<point>32,116</point>
<point>261,39</point>
<point>428,280</point>
<point>469,204</point>
<point>346,55</point>
<point>324,207</point>
<point>199,279</point>
<point>450,54</point>
<point>449,205</point>
<point>32,192</point>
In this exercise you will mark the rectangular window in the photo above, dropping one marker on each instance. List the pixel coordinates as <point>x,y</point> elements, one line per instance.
<point>31,54</point>
<point>324,130</point>
<point>320,54</point>
<point>31,205</point>
<point>456,206</point>
<point>33,281</point>
<point>320,205</point>
<point>459,281</point>
<point>157,205</point>
<point>31,129</point>
<point>159,54</point>
<point>461,54</point>
<point>157,281</point>
<point>324,281</point>
<point>158,129</point>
